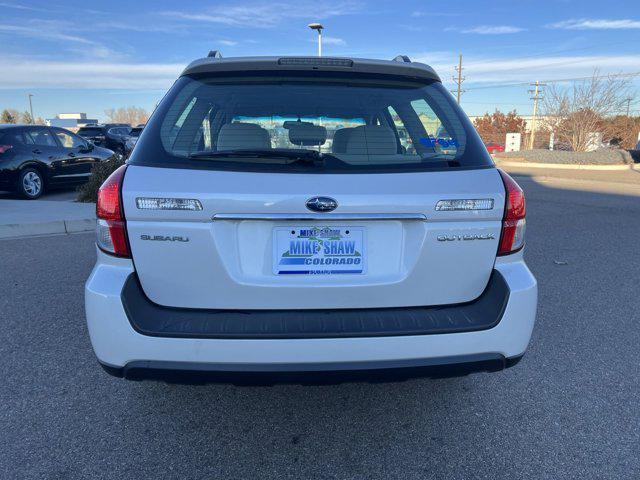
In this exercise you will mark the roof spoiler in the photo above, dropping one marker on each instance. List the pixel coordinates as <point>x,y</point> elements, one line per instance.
<point>399,66</point>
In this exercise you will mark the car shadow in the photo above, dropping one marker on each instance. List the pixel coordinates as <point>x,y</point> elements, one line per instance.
<point>58,194</point>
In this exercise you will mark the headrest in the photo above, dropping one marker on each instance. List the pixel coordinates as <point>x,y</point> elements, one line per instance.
<point>340,138</point>
<point>243,136</point>
<point>371,140</point>
<point>306,134</point>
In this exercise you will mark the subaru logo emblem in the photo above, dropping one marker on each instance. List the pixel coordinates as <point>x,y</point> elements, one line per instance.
<point>321,204</point>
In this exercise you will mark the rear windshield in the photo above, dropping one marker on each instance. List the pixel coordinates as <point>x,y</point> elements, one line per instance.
<point>319,123</point>
<point>90,132</point>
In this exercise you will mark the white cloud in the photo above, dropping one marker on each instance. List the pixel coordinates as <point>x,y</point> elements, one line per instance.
<point>18,72</point>
<point>42,30</point>
<point>21,73</point>
<point>58,31</point>
<point>509,70</point>
<point>596,24</point>
<point>421,14</point>
<point>19,6</point>
<point>228,43</point>
<point>493,29</point>
<point>330,40</point>
<point>136,27</point>
<point>269,15</point>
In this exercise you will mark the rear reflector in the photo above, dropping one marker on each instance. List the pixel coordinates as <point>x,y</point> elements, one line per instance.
<point>513,223</point>
<point>464,204</point>
<point>145,203</point>
<point>111,230</point>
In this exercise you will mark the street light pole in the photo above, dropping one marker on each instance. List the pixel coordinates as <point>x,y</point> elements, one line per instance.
<point>318,27</point>
<point>33,120</point>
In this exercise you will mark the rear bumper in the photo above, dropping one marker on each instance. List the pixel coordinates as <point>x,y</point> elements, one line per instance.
<point>126,352</point>
<point>266,374</point>
<point>151,319</point>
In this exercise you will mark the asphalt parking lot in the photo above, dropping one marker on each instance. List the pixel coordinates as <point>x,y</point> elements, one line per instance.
<point>60,195</point>
<point>570,409</point>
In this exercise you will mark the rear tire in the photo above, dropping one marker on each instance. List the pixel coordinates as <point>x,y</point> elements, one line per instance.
<point>30,183</point>
<point>120,153</point>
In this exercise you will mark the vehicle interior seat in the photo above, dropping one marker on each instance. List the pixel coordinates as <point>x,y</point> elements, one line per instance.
<point>374,144</point>
<point>340,138</point>
<point>243,136</point>
<point>372,140</point>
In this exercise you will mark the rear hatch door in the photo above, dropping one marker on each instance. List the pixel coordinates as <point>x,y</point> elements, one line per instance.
<point>242,250</point>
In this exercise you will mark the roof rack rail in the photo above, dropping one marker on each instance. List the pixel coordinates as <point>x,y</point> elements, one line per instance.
<point>214,54</point>
<point>402,58</point>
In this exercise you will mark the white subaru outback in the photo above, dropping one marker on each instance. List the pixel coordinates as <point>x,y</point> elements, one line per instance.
<point>302,219</point>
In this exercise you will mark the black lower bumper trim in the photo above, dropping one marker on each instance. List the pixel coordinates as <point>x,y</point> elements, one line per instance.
<point>310,374</point>
<point>151,319</point>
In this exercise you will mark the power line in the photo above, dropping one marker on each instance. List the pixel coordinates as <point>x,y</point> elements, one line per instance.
<point>553,52</point>
<point>497,103</point>
<point>574,79</point>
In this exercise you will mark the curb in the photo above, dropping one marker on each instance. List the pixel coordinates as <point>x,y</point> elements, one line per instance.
<point>46,228</point>
<point>568,166</point>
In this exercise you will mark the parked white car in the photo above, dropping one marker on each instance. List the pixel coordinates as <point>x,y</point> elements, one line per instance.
<point>225,253</point>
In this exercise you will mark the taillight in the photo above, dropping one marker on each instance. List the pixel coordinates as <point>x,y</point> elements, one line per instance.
<point>513,223</point>
<point>111,232</point>
<point>5,148</point>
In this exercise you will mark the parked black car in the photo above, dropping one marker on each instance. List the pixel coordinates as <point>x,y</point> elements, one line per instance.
<point>109,135</point>
<point>132,139</point>
<point>34,158</point>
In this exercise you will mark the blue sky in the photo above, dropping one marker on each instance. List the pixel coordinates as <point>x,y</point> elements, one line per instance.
<point>87,56</point>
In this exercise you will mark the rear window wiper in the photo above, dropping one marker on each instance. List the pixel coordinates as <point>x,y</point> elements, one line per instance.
<point>296,155</point>
<point>441,158</point>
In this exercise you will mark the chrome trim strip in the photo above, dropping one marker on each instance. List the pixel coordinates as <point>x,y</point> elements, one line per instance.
<point>319,216</point>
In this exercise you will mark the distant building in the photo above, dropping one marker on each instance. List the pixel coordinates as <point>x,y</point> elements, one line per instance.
<point>71,121</point>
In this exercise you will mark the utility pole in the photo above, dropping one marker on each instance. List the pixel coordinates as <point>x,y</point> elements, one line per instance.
<point>33,120</point>
<point>458,79</point>
<point>628,99</point>
<point>536,96</point>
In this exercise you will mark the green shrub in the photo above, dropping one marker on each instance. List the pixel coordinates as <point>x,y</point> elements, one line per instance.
<point>99,173</point>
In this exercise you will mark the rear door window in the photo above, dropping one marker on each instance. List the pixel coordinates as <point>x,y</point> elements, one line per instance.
<point>90,132</point>
<point>42,137</point>
<point>12,137</point>
<point>68,140</point>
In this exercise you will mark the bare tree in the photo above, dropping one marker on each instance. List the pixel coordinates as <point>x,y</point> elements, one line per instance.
<point>130,115</point>
<point>9,115</point>
<point>576,113</point>
<point>26,118</point>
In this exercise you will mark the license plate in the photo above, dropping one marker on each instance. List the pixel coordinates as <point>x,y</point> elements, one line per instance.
<point>318,250</point>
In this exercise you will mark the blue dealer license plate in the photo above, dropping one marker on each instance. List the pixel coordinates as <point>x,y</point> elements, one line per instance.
<point>318,250</point>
